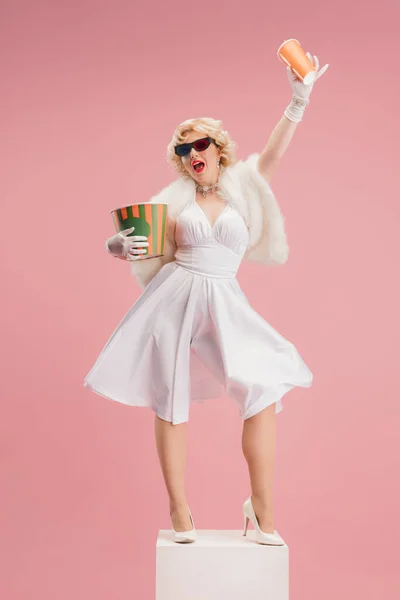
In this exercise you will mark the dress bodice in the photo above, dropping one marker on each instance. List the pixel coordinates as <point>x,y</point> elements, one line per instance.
<point>215,250</point>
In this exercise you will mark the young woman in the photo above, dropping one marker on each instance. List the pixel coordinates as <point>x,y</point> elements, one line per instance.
<point>192,333</point>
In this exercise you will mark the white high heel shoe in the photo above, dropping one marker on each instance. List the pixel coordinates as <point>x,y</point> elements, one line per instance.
<point>273,539</point>
<point>184,536</point>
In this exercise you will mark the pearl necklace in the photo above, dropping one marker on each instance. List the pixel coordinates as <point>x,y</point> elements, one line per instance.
<point>206,189</point>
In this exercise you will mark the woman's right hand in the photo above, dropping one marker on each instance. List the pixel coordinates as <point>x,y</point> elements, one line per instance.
<point>127,247</point>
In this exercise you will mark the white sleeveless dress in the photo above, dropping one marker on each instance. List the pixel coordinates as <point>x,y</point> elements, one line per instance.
<point>192,333</point>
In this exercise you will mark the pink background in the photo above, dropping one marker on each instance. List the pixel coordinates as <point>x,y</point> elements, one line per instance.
<point>91,93</point>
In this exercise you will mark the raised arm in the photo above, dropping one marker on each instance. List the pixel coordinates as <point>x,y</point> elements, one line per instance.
<point>283,132</point>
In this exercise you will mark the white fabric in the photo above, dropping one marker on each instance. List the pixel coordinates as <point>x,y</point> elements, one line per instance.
<point>242,186</point>
<point>192,332</point>
<point>301,91</point>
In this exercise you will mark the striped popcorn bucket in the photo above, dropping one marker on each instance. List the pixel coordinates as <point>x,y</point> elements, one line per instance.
<point>147,219</point>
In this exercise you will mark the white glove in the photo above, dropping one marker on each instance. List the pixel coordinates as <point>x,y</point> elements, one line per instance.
<point>301,92</point>
<point>126,248</point>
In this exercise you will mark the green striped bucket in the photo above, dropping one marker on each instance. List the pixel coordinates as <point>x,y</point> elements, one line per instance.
<point>147,219</point>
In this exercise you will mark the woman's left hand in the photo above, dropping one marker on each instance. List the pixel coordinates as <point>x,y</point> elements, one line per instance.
<point>300,90</point>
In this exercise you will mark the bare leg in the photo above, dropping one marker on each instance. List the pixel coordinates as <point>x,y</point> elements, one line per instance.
<point>171,448</point>
<point>258,444</point>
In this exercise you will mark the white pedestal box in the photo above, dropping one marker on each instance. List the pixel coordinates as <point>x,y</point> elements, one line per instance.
<point>220,565</point>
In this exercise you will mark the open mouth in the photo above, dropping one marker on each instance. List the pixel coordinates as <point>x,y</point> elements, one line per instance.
<point>198,166</point>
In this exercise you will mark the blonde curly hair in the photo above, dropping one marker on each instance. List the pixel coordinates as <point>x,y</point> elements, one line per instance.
<point>208,126</point>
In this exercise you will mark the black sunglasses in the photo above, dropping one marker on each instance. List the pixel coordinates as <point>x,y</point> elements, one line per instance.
<point>199,145</point>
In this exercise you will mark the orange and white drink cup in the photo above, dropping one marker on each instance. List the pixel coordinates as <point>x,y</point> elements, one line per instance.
<point>148,219</point>
<point>293,55</point>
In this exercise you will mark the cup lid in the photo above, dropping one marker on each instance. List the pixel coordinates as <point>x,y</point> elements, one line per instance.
<point>310,77</point>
